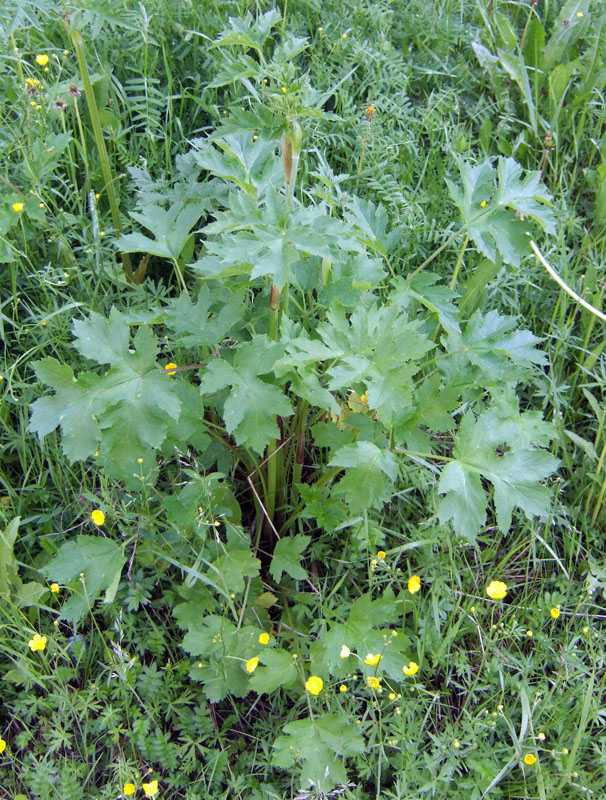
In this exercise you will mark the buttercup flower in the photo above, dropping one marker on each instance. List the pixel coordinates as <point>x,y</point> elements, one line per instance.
<point>496,589</point>
<point>37,642</point>
<point>414,584</point>
<point>342,688</point>
<point>98,517</point>
<point>555,612</point>
<point>42,59</point>
<point>345,651</point>
<point>252,664</point>
<point>373,682</point>
<point>2,746</point>
<point>263,638</point>
<point>171,368</point>
<point>373,659</point>
<point>530,759</point>
<point>151,788</point>
<point>381,554</point>
<point>54,587</point>
<point>411,669</point>
<point>129,788</point>
<point>314,685</point>
<point>18,207</point>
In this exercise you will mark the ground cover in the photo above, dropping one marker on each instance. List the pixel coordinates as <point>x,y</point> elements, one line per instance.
<point>302,479</point>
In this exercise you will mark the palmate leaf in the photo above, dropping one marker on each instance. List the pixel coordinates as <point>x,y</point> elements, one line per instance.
<point>88,565</point>
<point>318,743</point>
<point>279,670</point>
<point>224,648</point>
<point>171,228</point>
<point>287,556</point>
<point>371,473</point>
<point>120,413</point>
<point>499,448</point>
<point>250,407</point>
<point>494,206</point>
<point>377,347</point>
<point>489,341</point>
<point>239,159</point>
<point>263,238</point>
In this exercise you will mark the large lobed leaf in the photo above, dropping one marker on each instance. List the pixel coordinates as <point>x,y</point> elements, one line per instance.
<point>121,413</point>
<point>501,448</point>
<point>496,207</point>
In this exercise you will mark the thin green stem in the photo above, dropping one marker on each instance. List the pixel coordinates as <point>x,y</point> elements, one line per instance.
<point>435,254</point>
<point>76,38</point>
<point>455,274</point>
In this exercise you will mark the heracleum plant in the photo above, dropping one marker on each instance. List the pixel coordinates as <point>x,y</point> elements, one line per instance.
<point>320,380</point>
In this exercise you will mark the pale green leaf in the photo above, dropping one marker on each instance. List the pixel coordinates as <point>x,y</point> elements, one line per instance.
<point>88,565</point>
<point>287,557</point>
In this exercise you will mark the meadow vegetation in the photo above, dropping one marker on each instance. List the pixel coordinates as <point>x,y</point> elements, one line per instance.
<point>303,474</point>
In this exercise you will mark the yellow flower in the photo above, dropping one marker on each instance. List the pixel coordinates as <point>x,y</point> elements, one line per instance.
<point>530,634</point>
<point>579,14</point>
<point>320,30</point>
<point>342,688</point>
<point>98,517</point>
<point>411,669</point>
<point>314,685</point>
<point>392,695</point>
<point>37,642</point>
<point>150,789</point>
<point>530,759</point>
<point>18,207</point>
<point>54,587</point>
<point>541,737</point>
<point>2,746</point>
<point>171,368</point>
<point>344,36</point>
<point>456,744</point>
<point>252,664</point>
<point>555,612</point>
<point>284,90</point>
<point>414,584</point>
<point>373,682</point>
<point>372,659</point>
<point>129,788</point>
<point>345,651</point>
<point>381,554</point>
<point>364,396</point>
<point>42,59</point>
<point>33,83</point>
<point>66,52</point>
<point>264,638</point>
<point>496,589</point>
<point>483,204</point>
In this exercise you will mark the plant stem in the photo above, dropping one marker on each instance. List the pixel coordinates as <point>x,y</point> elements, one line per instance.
<point>99,140</point>
<point>272,455</point>
<point>435,254</point>
<point>457,268</point>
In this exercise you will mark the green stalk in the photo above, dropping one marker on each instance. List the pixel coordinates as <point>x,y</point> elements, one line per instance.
<point>455,274</point>
<point>272,454</point>
<point>99,140</point>
<point>435,253</point>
